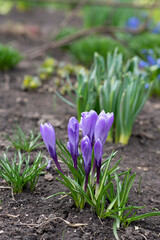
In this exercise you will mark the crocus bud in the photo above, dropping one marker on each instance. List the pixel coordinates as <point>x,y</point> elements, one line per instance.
<point>87,156</point>
<point>103,125</point>
<point>48,135</point>
<point>98,153</point>
<point>73,136</point>
<point>88,122</point>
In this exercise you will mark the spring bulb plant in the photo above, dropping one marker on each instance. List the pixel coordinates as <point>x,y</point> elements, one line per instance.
<point>18,172</point>
<point>9,57</point>
<point>21,141</point>
<point>88,177</point>
<point>116,88</point>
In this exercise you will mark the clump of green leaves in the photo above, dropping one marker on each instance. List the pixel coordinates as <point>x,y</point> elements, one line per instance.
<point>114,87</point>
<point>83,50</point>
<point>22,141</point>
<point>17,172</point>
<point>9,57</point>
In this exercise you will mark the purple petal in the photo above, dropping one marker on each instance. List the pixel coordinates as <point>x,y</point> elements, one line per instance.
<point>86,153</point>
<point>103,126</point>
<point>48,135</point>
<point>98,152</point>
<point>88,122</point>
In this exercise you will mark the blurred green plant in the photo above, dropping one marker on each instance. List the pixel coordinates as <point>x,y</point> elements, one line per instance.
<point>31,82</point>
<point>5,6</point>
<point>23,142</point>
<point>83,50</point>
<point>17,175</point>
<point>47,68</point>
<point>102,15</point>
<point>9,57</point>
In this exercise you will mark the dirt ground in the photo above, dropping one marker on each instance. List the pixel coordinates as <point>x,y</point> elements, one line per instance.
<point>28,215</point>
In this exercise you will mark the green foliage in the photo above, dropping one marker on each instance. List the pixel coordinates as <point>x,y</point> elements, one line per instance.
<point>19,173</point>
<point>143,41</point>
<point>83,50</point>
<point>23,142</point>
<point>9,57</point>
<point>95,15</point>
<point>114,87</point>
<point>102,15</point>
<point>109,198</point>
<point>65,32</point>
<point>5,6</point>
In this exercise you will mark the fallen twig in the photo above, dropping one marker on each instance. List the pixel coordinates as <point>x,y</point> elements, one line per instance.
<point>53,219</point>
<point>9,215</point>
<point>36,52</point>
<point>5,187</point>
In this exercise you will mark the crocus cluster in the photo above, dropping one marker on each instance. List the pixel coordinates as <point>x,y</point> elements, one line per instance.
<point>95,129</point>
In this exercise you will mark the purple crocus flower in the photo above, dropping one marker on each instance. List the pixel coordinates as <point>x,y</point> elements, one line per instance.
<point>73,136</point>
<point>86,149</point>
<point>88,122</point>
<point>103,125</point>
<point>133,23</point>
<point>48,135</point>
<point>98,153</point>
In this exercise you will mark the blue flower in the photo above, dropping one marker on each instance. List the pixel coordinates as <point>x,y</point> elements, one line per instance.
<point>146,86</point>
<point>151,60</point>
<point>133,23</point>
<point>143,64</point>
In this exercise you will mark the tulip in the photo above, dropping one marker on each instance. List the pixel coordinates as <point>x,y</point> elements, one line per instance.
<point>48,135</point>
<point>86,149</point>
<point>103,125</point>
<point>88,122</point>
<point>73,136</point>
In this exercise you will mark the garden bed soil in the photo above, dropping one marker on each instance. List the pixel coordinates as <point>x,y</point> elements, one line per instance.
<point>29,215</point>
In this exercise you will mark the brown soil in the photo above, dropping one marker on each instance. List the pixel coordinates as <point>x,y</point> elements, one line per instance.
<point>29,216</point>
